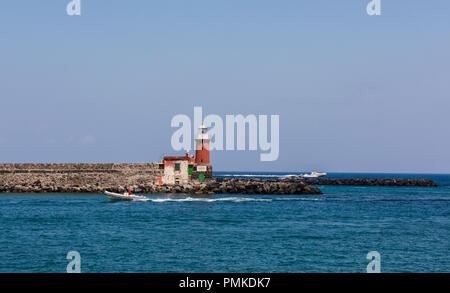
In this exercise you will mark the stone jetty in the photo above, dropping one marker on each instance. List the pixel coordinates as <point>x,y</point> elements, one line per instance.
<point>140,178</point>
<point>371,182</point>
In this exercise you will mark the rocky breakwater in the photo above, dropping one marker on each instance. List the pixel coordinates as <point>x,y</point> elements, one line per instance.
<point>140,178</point>
<point>250,186</point>
<point>371,182</point>
<point>261,186</point>
<point>76,178</point>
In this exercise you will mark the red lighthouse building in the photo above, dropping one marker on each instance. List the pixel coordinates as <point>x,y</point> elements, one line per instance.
<point>202,146</point>
<point>182,170</point>
<point>203,168</point>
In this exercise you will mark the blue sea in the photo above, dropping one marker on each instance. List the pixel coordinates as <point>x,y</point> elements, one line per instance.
<point>333,232</point>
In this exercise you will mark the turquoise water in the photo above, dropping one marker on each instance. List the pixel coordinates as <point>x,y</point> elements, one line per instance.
<point>409,227</point>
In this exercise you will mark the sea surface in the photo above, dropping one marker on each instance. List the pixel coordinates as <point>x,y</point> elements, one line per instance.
<point>334,232</point>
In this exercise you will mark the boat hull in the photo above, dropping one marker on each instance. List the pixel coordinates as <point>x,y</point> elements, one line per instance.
<point>314,175</point>
<point>118,196</point>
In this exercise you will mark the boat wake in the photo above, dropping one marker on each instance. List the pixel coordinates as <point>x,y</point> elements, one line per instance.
<point>225,199</point>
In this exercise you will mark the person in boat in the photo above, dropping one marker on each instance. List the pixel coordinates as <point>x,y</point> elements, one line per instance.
<point>129,191</point>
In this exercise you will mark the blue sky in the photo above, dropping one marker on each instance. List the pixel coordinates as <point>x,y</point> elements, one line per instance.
<point>354,92</point>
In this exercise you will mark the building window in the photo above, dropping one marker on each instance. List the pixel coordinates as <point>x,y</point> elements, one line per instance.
<point>177,167</point>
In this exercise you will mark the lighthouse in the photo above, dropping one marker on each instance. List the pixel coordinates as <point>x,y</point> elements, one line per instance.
<point>202,146</point>
<point>185,169</point>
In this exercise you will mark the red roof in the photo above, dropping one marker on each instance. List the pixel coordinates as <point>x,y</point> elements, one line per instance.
<point>176,158</point>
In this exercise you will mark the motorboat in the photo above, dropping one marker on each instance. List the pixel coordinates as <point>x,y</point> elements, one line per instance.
<point>314,175</point>
<point>125,196</point>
